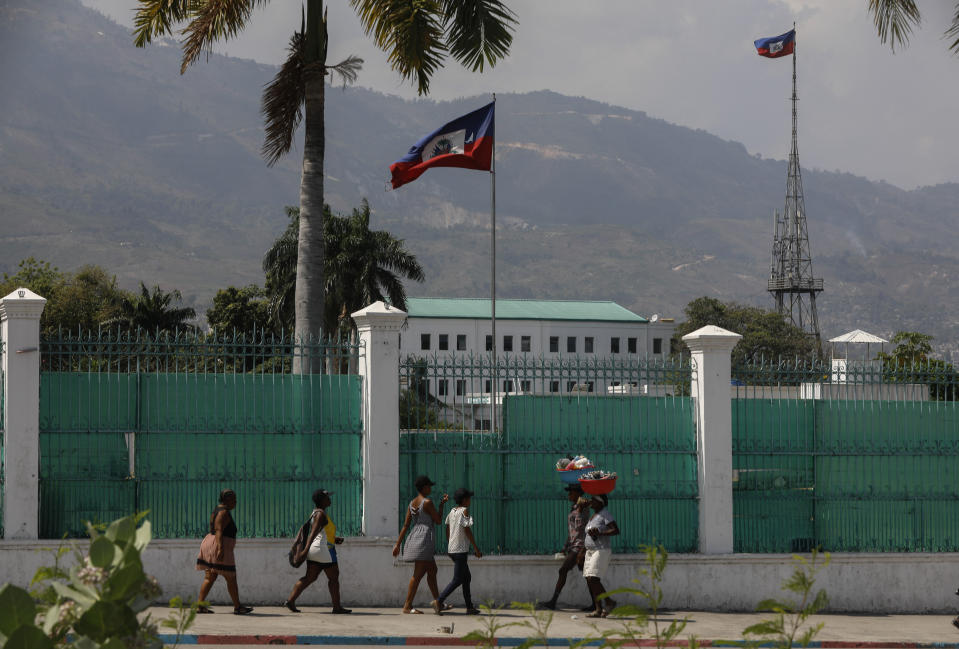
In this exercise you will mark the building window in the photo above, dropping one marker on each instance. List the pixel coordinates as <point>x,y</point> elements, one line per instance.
<point>487,386</point>
<point>525,386</point>
<point>482,424</point>
<point>460,387</point>
<point>444,342</point>
<point>507,386</point>
<point>554,386</point>
<point>507,343</point>
<point>570,385</point>
<point>460,342</point>
<point>614,345</point>
<point>442,387</point>
<point>554,344</point>
<point>571,344</point>
<point>588,344</point>
<point>489,343</point>
<point>657,345</point>
<point>424,341</point>
<point>524,343</point>
<point>631,345</point>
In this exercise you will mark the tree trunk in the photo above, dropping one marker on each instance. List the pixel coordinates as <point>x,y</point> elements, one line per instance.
<point>310,281</point>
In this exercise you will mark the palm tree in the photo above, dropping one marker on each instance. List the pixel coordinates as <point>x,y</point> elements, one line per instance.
<point>418,35</point>
<point>362,266</point>
<point>154,311</point>
<point>894,20</point>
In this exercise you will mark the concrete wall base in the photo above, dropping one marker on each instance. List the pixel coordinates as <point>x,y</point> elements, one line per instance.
<point>862,583</point>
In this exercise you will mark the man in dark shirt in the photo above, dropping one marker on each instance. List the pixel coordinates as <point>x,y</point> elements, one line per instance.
<point>574,549</point>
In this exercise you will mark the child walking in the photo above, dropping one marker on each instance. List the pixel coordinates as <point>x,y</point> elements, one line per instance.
<point>459,534</point>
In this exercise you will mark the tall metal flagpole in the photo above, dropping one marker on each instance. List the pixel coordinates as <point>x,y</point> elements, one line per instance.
<point>492,277</point>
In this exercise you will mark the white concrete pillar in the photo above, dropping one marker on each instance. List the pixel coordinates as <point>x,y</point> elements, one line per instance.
<point>711,348</point>
<point>379,329</point>
<point>20,329</point>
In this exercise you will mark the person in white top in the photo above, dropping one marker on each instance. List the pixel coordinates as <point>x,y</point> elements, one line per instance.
<point>459,534</point>
<point>598,552</point>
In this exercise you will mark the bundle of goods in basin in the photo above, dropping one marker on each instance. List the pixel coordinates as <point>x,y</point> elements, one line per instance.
<point>571,467</point>
<point>598,482</point>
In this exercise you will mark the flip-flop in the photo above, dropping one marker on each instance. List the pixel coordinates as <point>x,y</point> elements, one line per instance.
<point>342,611</point>
<point>594,614</point>
<point>436,607</point>
<point>243,610</point>
<point>414,611</point>
<point>204,610</point>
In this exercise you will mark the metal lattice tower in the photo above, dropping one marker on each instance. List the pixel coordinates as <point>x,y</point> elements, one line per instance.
<point>791,279</point>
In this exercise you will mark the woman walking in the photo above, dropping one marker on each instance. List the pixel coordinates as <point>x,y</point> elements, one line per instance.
<point>420,545</point>
<point>598,553</point>
<point>216,554</point>
<point>459,536</point>
<point>320,555</point>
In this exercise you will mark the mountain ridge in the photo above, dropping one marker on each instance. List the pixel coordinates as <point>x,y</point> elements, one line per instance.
<point>107,154</point>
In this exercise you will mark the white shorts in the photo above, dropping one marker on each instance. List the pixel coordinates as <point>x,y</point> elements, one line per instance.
<point>596,563</point>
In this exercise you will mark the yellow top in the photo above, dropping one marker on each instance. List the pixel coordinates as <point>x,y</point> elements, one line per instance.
<point>330,531</point>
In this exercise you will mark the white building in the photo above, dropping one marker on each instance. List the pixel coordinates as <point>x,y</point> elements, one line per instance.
<point>453,330</point>
<point>543,328</point>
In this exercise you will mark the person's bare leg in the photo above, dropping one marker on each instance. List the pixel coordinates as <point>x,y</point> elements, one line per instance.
<point>333,575</point>
<point>232,588</point>
<point>312,572</point>
<point>431,579</point>
<point>419,569</point>
<point>595,589</point>
<point>568,563</point>
<point>208,579</point>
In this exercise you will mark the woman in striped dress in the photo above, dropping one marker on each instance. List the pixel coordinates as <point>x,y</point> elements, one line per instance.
<point>420,546</point>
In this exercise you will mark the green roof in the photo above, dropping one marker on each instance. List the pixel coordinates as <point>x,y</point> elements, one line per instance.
<point>471,308</point>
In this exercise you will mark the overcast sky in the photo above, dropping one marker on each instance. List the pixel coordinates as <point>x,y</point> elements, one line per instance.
<point>862,108</point>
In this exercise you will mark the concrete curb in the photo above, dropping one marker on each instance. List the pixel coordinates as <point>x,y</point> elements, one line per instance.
<point>426,641</point>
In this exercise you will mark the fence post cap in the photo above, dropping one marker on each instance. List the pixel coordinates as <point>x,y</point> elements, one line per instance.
<point>379,314</point>
<point>711,337</point>
<point>22,303</point>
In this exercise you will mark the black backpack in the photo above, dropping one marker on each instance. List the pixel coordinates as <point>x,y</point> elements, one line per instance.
<point>298,549</point>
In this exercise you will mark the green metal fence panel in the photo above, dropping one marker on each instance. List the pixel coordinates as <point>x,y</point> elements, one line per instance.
<point>114,442</point>
<point>3,398</point>
<point>519,506</point>
<point>867,463</point>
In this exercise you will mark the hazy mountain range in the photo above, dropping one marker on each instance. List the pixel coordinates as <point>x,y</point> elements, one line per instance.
<point>109,156</point>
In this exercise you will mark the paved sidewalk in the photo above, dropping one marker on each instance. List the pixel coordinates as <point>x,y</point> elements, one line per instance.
<point>388,626</point>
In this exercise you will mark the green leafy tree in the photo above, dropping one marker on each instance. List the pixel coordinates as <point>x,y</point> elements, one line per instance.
<point>34,274</point>
<point>417,36</point>
<point>895,19</point>
<point>766,334</point>
<point>84,300</point>
<point>910,362</point>
<point>362,266</point>
<point>242,311</point>
<point>155,310</point>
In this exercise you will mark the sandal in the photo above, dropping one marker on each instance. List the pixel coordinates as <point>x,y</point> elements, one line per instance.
<point>594,614</point>
<point>437,607</point>
<point>204,609</point>
<point>413,611</point>
<point>291,606</point>
<point>473,611</point>
<point>242,610</point>
<point>448,607</point>
<point>342,611</point>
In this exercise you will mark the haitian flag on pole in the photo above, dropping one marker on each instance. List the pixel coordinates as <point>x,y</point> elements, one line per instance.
<point>466,142</point>
<point>776,46</point>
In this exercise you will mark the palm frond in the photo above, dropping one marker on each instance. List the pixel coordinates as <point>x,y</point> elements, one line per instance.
<point>347,70</point>
<point>213,20</point>
<point>894,20</point>
<point>953,32</point>
<point>410,32</point>
<point>157,17</point>
<point>478,32</point>
<point>282,105</point>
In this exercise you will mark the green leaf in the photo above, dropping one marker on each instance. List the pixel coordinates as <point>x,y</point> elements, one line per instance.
<point>106,619</point>
<point>102,551</point>
<point>28,637</point>
<point>16,609</point>
<point>124,583</point>
<point>83,599</point>
<point>122,530</point>
<point>143,536</point>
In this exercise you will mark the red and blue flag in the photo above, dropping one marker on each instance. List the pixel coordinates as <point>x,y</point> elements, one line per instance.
<point>466,142</point>
<point>776,46</point>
